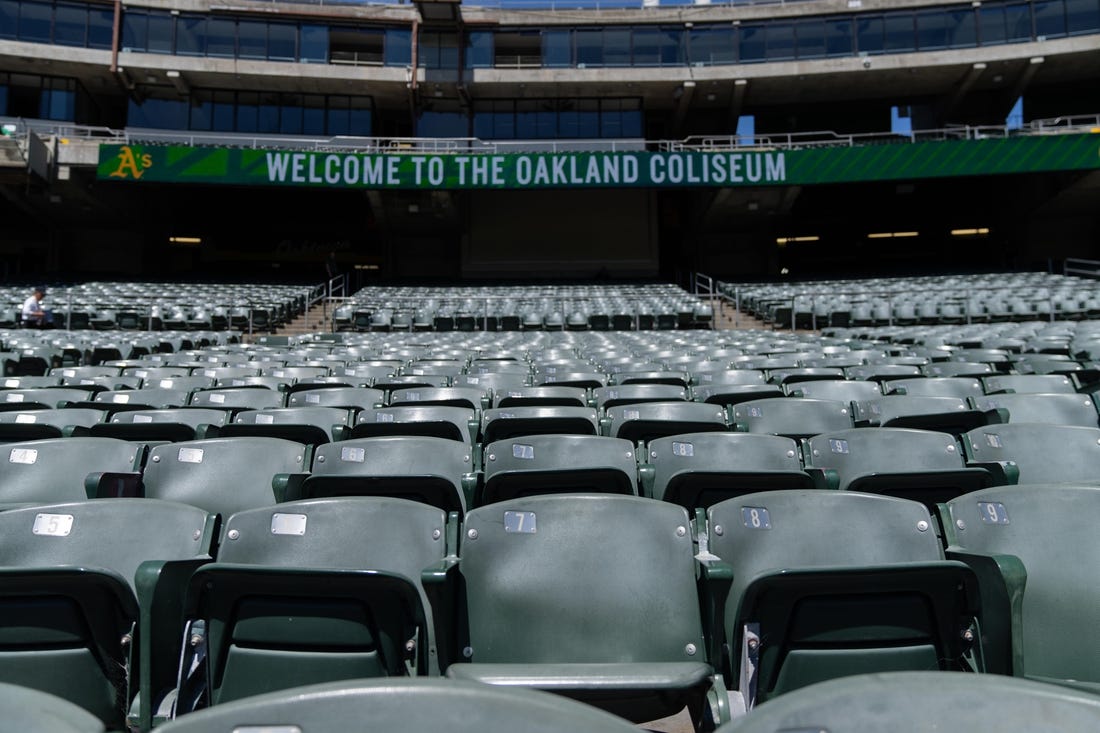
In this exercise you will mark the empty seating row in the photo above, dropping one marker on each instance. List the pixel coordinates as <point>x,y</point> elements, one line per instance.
<point>628,604</point>
<point>692,469</point>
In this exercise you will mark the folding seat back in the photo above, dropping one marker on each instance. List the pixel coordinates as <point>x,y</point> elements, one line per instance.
<point>308,425</point>
<point>538,570</point>
<point>526,396</point>
<point>1029,453</point>
<point>631,394</point>
<point>224,475</point>
<point>170,424</point>
<point>238,398</point>
<point>542,464</point>
<point>732,394</point>
<point>441,421</point>
<point>1025,383</point>
<point>150,398</point>
<point>645,421</point>
<point>68,469</point>
<point>700,469</point>
<point>81,581</point>
<point>954,415</point>
<point>31,382</point>
<point>961,387</point>
<point>351,398</point>
<point>791,417</point>
<point>189,383</point>
<point>893,700</point>
<point>41,398</point>
<point>470,397</point>
<point>829,583</point>
<point>844,390</point>
<point>925,465</point>
<point>1034,542</point>
<point>314,591</point>
<point>18,425</point>
<point>674,378</point>
<point>432,470</point>
<point>510,422</point>
<point>1058,408</point>
<point>976,369</point>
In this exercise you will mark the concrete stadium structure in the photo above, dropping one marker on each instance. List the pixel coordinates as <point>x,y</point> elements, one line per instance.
<point>865,81</point>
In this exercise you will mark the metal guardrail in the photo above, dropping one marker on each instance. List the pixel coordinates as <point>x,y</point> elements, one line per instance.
<point>378,145</point>
<point>1083,268</point>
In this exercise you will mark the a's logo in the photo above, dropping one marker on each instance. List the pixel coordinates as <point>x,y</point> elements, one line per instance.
<point>131,165</point>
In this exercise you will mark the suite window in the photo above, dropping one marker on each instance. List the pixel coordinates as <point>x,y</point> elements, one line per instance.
<point>438,50</point>
<point>1050,19</point>
<point>931,30</point>
<point>248,112</point>
<point>658,47</point>
<point>267,113</point>
<point>899,33</point>
<point>1082,16</point>
<point>508,49</point>
<point>715,45</point>
<point>314,44</point>
<point>9,18</point>
<point>202,111</point>
<point>810,38</point>
<point>536,119</point>
<point>135,25</point>
<point>58,100</point>
<point>313,114</point>
<point>869,34</point>
<point>221,37</point>
<point>290,114</point>
<point>159,33</point>
<point>223,107</point>
<point>838,37</point>
<point>356,46</point>
<point>962,28</point>
<point>753,44</point>
<point>557,48</point>
<point>164,114</point>
<point>34,22</point>
<point>589,47</point>
<point>616,47</point>
<point>70,25</point>
<point>101,27</point>
<point>398,47</point>
<point>191,35</point>
<point>252,39</point>
<point>779,41</point>
<point>480,52</point>
<point>1018,22</point>
<point>282,42</point>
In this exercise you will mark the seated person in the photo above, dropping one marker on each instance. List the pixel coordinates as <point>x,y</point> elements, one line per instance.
<point>33,314</point>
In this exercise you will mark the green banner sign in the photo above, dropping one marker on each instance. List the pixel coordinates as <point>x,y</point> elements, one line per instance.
<point>412,170</point>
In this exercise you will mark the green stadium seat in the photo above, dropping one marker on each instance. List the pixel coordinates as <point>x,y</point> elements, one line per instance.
<point>308,425</point>
<point>18,425</point>
<point>385,705</point>
<point>1058,408</point>
<point>351,398</point>
<point>828,584</point>
<point>961,387</point>
<point>1032,545</point>
<point>700,469</point>
<point>68,469</point>
<point>924,700</point>
<point>436,471</point>
<point>592,597</point>
<point>510,422</point>
<point>954,415</point>
<point>791,417</point>
<point>1029,453</point>
<point>316,591</point>
<point>844,390</point>
<point>89,609</point>
<point>645,421</point>
<point>33,711</point>
<point>224,475</point>
<point>237,398</point>
<point>171,424</point>
<point>542,464</point>
<point>1024,383</point>
<point>925,465</point>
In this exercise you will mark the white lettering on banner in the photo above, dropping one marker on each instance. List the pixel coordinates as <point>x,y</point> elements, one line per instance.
<point>435,171</point>
<point>523,170</point>
<point>372,170</point>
